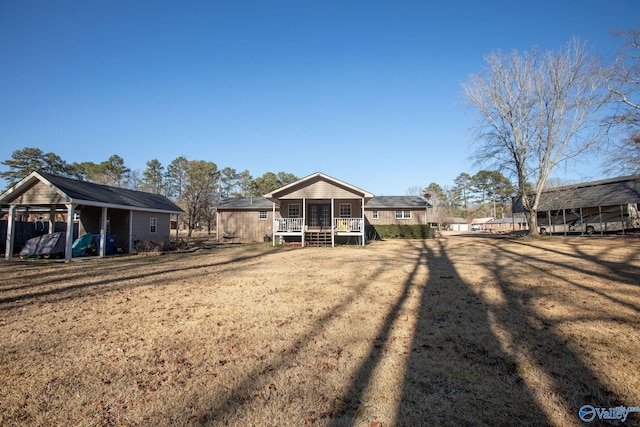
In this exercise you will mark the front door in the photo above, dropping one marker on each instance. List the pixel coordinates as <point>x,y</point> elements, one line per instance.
<point>320,216</point>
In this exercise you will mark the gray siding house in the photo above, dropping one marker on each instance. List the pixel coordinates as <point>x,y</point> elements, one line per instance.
<point>99,209</point>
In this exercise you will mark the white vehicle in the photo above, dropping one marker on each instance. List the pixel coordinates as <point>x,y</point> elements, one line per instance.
<point>606,219</point>
<point>611,219</point>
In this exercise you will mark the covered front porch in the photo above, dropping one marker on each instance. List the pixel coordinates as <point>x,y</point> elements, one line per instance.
<point>319,210</point>
<point>337,231</point>
<point>319,221</point>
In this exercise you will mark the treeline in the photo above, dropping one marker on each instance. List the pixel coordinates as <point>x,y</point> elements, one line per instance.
<point>486,193</point>
<point>196,186</point>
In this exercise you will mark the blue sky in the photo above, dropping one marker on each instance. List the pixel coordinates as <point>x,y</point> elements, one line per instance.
<point>365,91</point>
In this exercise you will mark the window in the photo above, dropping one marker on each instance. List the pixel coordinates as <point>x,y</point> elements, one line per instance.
<point>294,210</point>
<point>153,225</point>
<point>263,215</point>
<point>403,214</point>
<point>345,210</point>
<point>375,215</point>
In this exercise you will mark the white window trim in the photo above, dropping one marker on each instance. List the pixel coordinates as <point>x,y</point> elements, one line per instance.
<point>400,214</point>
<point>263,215</point>
<point>375,214</point>
<point>153,225</point>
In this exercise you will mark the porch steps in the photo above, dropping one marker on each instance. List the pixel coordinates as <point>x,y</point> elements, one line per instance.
<point>317,238</point>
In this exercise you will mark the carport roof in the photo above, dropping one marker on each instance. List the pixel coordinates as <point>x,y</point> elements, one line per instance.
<point>91,194</point>
<point>606,192</point>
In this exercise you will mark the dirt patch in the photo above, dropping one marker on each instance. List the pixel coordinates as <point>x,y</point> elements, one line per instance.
<point>463,330</point>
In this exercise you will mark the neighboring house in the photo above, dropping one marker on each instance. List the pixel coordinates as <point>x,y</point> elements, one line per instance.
<point>506,224</point>
<point>609,205</point>
<point>99,209</point>
<point>480,224</point>
<point>317,209</point>
<point>448,223</point>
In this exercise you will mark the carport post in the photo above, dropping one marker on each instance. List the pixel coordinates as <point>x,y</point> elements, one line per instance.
<point>103,233</point>
<point>52,220</point>
<point>8,251</point>
<point>69,242</point>
<point>600,218</point>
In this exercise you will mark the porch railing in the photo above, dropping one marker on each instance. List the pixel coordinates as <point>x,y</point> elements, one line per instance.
<point>284,225</point>
<point>348,225</point>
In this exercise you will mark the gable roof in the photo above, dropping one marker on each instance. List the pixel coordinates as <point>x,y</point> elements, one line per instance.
<point>409,202</point>
<point>381,202</point>
<point>317,185</point>
<point>91,194</point>
<point>606,192</point>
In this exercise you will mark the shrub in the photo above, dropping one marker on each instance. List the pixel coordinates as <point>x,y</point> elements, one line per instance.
<point>400,231</point>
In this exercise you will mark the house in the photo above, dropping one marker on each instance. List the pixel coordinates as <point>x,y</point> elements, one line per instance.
<point>481,223</point>
<point>315,210</point>
<point>609,205</point>
<point>448,223</point>
<point>504,225</point>
<point>128,215</point>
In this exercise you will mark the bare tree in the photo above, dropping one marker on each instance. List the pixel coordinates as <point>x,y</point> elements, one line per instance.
<point>536,111</point>
<point>623,81</point>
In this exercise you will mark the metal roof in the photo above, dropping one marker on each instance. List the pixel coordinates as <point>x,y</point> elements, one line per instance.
<point>410,202</point>
<point>245,203</point>
<point>378,202</point>
<point>91,194</point>
<point>606,192</point>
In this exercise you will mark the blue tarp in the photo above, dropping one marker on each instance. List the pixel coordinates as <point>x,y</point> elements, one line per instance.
<point>81,245</point>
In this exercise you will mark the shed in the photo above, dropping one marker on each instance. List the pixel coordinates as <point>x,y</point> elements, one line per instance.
<point>99,209</point>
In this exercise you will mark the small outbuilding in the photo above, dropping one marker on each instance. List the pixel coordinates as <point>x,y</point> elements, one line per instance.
<point>102,210</point>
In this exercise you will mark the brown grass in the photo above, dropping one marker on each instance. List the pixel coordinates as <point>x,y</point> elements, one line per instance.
<point>458,331</point>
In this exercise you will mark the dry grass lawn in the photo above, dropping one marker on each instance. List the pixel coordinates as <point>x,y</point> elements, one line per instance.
<point>464,330</point>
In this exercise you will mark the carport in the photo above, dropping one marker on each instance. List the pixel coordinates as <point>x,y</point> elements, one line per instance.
<point>99,209</point>
<point>609,205</point>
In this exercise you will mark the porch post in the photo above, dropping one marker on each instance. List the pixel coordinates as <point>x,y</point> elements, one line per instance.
<point>333,221</point>
<point>8,251</point>
<point>273,225</point>
<point>69,242</point>
<point>363,223</point>
<point>103,233</point>
<point>304,214</point>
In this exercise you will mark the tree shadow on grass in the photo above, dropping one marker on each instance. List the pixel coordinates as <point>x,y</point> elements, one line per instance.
<point>476,361</point>
<point>458,372</point>
<point>103,279</point>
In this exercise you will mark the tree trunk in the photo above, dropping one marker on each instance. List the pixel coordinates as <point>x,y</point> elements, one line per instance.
<point>532,219</point>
